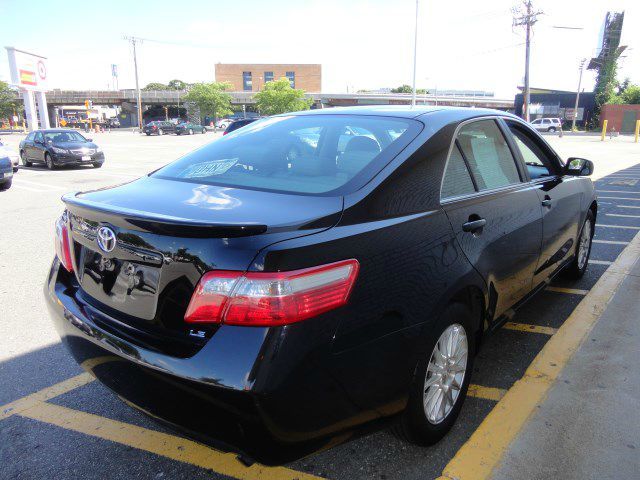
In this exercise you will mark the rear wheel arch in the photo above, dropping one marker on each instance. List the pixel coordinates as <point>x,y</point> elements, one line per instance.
<point>474,298</point>
<point>594,209</point>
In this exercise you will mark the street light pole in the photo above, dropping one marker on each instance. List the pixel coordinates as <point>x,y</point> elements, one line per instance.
<point>575,110</point>
<point>415,58</point>
<point>133,41</point>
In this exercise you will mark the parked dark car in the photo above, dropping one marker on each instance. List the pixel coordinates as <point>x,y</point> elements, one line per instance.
<point>159,128</point>
<point>6,172</point>
<point>59,147</point>
<point>236,124</point>
<point>189,128</point>
<point>317,270</point>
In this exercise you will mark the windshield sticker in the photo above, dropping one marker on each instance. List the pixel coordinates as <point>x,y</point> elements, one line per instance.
<point>208,169</point>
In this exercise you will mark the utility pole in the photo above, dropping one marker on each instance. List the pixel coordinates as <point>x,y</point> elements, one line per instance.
<point>415,58</point>
<point>575,110</point>
<point>526,18</point>
<point>133,41</point>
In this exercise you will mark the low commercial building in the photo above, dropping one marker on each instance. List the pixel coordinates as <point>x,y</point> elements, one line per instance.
<point>251,77</point>
<point>547,103</point>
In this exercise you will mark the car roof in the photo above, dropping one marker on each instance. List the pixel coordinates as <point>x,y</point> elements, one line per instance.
<point>404,111</point>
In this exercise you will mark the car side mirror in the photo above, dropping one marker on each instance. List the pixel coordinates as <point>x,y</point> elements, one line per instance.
<point>579,167</point>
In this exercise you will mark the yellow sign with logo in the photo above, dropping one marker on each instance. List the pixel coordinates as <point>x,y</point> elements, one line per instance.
<point>63,123</point>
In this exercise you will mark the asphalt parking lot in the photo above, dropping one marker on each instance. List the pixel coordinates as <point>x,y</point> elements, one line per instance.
<point>56,422</point>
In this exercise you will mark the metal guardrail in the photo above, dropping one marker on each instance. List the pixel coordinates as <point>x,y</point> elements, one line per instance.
<point>57,97</point>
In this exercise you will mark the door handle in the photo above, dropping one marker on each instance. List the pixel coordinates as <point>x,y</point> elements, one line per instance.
<point>547,201</point>
<point>473,225</point>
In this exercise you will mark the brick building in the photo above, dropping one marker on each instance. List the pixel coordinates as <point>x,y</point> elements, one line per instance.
<point>251,77</point>
<point>621,118</point>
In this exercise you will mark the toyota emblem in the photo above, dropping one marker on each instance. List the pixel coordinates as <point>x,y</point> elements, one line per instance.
<point>106,239</point>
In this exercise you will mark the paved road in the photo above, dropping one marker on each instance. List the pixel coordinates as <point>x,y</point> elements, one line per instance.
<point>77,433</point>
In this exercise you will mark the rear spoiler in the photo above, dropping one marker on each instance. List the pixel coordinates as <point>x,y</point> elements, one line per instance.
<point>158,223</point>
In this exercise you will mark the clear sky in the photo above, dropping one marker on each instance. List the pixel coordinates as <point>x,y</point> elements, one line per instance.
<point>360,44</point>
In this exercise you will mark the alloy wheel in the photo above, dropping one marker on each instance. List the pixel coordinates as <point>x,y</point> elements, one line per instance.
<point>445,373</point>
<point>583,245</point>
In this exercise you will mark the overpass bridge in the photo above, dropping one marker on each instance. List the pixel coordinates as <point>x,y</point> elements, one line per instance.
<point>174,97</point>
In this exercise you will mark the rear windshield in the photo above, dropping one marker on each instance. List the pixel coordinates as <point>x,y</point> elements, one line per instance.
<point>302,154</point>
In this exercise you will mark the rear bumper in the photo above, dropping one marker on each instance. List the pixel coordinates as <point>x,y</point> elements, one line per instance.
<point>228,394</point>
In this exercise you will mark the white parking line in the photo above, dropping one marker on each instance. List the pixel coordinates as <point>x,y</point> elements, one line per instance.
<point>617,226</point>
<point>620,198</point>
<point>628,206</point>
<point>611,242</point>
<point>621,215</point>
<point>38,184</point>
<point>22,187</point>
<point>617,191</point>
<point>600,262</point>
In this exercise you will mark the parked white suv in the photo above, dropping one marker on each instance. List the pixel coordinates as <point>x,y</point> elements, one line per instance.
<point>547,124</point>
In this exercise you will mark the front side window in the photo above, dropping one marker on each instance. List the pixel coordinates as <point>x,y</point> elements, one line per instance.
<point>537,162</point>
<point>457,179</point>
<point>247,84</point>
<point>39,137</point>
<point>488,155</point>
<point>301,154</point>
<point>30,137</point>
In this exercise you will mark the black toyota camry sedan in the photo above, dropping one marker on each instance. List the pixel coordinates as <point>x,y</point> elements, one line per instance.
<point>59,147</point>
<point>317,271</point>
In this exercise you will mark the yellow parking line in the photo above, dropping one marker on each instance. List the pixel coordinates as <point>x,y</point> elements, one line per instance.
<point>483,451</point>
<point>29,401</point>
<point>169,446</point>
<point>574,291</point>
<point>92,363</point>
<point>525,327</point>
<point>487,393</point>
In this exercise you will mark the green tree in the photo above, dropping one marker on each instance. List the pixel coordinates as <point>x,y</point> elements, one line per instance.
<point>177,85</point>
<point>156,86</point>
<point>8,100</point>
<point>402,89</point>
<point>278,97</point>
<point>211,98</point>
<point>631,94</point>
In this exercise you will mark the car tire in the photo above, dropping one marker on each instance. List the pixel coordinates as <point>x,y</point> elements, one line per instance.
<point>420,423</point>
<point>49,161</point>
<point>6,185</point>
<point>204,130</point>
<point>551,129</point>
<point>191,131</point>
<point>148,134</point>
<point>160,132</point>
<point>23,157</point>
<point>97,165</point>
<point>15,169</point>
<point>580,262</point>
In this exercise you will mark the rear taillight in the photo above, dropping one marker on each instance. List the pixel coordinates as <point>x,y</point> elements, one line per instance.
<point>63,242</point>
<point>270,299</point>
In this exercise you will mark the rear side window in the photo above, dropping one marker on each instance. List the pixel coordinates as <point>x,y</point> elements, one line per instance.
<point>488,155</point>
<point>311,154</point>
<point>457,180</point>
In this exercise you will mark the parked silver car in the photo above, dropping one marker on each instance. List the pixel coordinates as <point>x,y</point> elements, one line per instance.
<point>7,151</point>
<point>547,124</point>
